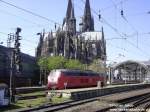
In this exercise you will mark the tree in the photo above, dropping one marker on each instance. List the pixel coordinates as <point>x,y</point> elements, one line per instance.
<point>97,66</point>
<point>56,62</point>
<point>59,62</point>
<point>74,64</point>
<point>43,63</point>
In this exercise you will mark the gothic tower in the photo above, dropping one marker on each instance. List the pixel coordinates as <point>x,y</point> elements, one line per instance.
<point>70,19</point>
<point>71,44</point>
<point>88,21</point>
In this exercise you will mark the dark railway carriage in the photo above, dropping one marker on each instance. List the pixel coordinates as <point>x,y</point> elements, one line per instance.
<point>29,75</point>
<point>62,78</point>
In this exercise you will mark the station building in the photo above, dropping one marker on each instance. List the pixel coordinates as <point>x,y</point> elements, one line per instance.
<point>130,72</point>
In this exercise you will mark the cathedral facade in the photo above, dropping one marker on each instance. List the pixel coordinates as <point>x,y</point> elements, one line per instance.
<point>85,44</point>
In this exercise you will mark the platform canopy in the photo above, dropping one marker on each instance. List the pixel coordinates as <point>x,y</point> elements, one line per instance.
<point>130,64</point>
<point>130,71</point>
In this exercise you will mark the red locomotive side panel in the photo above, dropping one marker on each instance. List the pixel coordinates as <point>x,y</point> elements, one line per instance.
<point>73,79</point>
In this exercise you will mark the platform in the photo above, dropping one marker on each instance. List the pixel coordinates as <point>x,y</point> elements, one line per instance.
<point>83,93</point>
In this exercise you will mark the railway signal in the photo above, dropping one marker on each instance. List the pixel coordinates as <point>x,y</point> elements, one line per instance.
<point>15,64</point>
<point>17,51</point>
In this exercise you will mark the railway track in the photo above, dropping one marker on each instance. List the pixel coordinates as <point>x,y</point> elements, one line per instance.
<point>56,107</point>
<point>142,104</point>
<point>133,102</point>
<point>139,103</point>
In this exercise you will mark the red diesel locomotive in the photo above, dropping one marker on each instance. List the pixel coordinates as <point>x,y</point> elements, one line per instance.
<point>63,78</point>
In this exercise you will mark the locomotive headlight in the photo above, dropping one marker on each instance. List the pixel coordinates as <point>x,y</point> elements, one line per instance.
<point>53,76</point>
<point>57,74</point>
<point>51,79</point>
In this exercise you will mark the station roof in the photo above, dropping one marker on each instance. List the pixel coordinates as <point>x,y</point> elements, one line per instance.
<point>131,64</point>
<point>147,62</point>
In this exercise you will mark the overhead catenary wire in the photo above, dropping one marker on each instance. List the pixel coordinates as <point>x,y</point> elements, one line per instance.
<point>131,27</point>
<point>110,27</point>
<point>138,14</point>
<point>116,38</point>
<point>117,47</point>
<point>123,15</point>
<point>30,12</point>
<point>24,19</point>
<point>27,12</point>
<point>116,30</point>
<point>108,7</point>
<point>143,53</point>
<point>56,22</point>
<point>127,51</point>
<point>134,34</point>
<point>103,20</point>
<point>113,5</point>
<point>124,18</point>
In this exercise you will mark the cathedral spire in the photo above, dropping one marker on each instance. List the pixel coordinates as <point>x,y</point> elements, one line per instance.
<point>72,13</point>
<point>69,9</point>
<point>88,21</point>
<point>72,24</point>
<point>70,20</point>
<point>87,10</point>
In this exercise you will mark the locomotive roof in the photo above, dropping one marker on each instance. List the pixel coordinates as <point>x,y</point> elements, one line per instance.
<point>74,70</point>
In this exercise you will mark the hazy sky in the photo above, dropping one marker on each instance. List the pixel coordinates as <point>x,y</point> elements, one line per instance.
<point>135,26</point>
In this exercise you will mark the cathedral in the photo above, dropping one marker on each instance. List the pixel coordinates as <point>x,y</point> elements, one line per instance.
<point>84,44</point>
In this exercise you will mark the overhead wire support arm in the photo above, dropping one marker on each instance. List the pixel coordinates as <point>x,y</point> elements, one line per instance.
<point>116,38</point>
